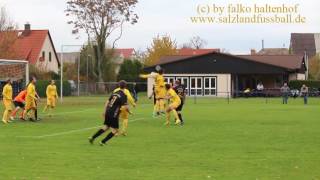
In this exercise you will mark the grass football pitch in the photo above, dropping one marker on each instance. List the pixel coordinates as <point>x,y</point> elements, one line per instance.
<point>246,139</point>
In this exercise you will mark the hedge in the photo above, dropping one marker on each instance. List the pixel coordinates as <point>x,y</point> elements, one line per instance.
<point>41,87</point>
<point>296,84</point>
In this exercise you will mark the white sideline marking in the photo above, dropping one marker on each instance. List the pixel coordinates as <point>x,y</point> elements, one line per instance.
<point>72,131</point>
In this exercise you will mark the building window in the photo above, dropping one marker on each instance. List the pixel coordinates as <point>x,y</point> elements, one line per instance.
<point>50,57</point>
<point>210,88</point>
<point>43,55</point>
<point>196,86</point>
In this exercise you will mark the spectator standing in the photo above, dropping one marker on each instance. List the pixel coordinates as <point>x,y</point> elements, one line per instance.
<point>304,92</point>
<point>285,91</point>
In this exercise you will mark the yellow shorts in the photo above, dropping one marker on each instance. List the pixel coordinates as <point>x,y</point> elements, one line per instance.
<point>174,105</point>
<point>160,93</point>
<point>30,104</point>
<point>7,104</point>
<point>51,101</point>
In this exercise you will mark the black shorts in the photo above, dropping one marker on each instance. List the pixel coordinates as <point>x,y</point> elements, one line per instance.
<point>18,104</point>
<point>179,108</point>
<point>111,121</point>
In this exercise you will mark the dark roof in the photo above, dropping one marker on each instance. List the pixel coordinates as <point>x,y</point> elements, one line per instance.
<point>286,61</point>
<point>291,62</point>
<point>274,51</point>
<point>303,42</point>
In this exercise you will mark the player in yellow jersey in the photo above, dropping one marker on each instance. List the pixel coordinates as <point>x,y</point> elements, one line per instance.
<point>159,90</point>
<point>124,113</point>
<point>52,96</point>
<point>175,102</point>
<point>7,101</point>
<point>31,99</point>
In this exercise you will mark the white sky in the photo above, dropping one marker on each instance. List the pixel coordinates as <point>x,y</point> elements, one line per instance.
<point>169,17</point>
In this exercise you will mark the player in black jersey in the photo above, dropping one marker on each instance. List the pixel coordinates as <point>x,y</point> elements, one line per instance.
<point>181,91</point>
<point>111,114</point>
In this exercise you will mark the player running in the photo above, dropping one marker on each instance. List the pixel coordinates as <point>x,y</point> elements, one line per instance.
<point>175,102</point>
<point>31,99</point>
<point>124,113</point>
<point>181,91</point>
<point>160,91</point>
<point>52,96</point>
<point>18,102</point>
<point>111,116</point>
<point>7,101</point>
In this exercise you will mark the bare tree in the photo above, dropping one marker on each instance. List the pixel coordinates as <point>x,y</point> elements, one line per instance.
<point>195,43</point>
<point>6,24</point>
<point>99,19</point>
<point>8,35</point>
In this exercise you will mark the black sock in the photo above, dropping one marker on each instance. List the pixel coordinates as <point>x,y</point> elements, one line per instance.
<point>109,136</point>
<point>36,114</point>
<point>180,117</point>
<point>98,133</point>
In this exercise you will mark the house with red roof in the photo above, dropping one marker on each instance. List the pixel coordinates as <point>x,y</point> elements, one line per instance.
<point>35,46</point>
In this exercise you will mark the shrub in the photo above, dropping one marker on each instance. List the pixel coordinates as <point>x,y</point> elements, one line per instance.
<point>296,84</point>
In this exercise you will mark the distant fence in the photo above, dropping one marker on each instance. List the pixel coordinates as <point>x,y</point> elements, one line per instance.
<point>96,88</point>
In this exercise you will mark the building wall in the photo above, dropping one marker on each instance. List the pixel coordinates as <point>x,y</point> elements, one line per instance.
<point>222,87</point>
<point>46,64</point>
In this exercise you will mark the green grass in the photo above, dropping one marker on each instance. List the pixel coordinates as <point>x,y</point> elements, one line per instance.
<point>246,139</point>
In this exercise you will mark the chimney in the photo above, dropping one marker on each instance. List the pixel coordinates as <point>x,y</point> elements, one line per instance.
<point>27,29</point>
<point>253,52</point>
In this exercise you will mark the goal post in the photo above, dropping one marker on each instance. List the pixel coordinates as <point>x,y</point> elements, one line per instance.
<point>14,69</point>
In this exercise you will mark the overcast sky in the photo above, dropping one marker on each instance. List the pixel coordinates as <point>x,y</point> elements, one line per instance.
<point>170,17</point>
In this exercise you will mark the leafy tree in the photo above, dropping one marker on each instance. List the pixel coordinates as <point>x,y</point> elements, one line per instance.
<point>314,68</point>
<point>90,64</point>
<point>99,19</point>
<point>161,46</point>
<point>130,70</point>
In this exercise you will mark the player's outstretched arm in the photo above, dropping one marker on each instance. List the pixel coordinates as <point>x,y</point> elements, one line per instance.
<point>151,75</point>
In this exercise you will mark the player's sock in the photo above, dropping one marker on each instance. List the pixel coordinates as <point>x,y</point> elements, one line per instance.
<point>107,138</point>
<point>157,105</point>
<point>180,117</point>
<point>21,115</point>
<point>98,133</point>
<point>5,116</point>
<point>155,109</point>
<point>167,118</point>
<point>36,114</point>
<point>14,112</point>
<point>125,126</point>
<point>45,108</point>
<point>176,116</point>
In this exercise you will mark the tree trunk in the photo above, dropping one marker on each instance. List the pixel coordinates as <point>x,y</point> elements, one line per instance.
<point>100,59</point>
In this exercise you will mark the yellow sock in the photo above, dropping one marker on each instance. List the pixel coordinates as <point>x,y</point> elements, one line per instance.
<point>5,115</point>
<point>155,108</point>
<point>157,105</point>
<point>168,117</point>
<point>175,114</point>
<point>45,108</point>
<point>125,125</point>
